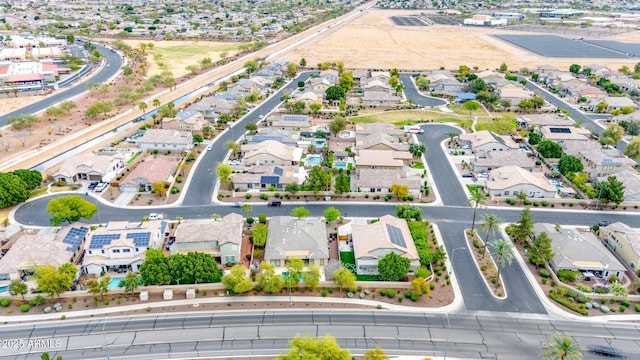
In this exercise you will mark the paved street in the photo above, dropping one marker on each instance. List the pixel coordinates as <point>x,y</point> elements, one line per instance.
<point>411,92</point>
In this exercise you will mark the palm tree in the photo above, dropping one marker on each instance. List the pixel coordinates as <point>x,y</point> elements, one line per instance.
<point>561,347</point>
<point>522,196</point>
<point>502,251</point>
<point>452,135</point>
<point>143,106</point>
<point>478,200</point>
<point>246,208</point>
<point>489,223</point>
<point>156,103</point>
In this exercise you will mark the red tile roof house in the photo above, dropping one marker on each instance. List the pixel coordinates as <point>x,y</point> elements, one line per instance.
<point>148,172</point>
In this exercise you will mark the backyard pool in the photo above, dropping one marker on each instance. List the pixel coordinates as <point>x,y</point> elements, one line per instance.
<point>345,134</point>
<point>113,284</point>
<point>340,165</point>
<point>4,289</point>
<point>313,160</point>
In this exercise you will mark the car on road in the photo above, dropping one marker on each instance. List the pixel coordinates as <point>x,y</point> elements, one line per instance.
<point>155,216</point>
<point>603,223</point>
<point>236,204</point>
<point>606,351</point>
<point>275,203</point>
<point>93,184</point>
<point>209,147</point>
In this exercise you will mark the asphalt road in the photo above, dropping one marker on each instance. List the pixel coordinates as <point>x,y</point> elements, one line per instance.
<point>411,92</point>
<point>236,333</point>
<point>112,58</point>
<point>203,179</point>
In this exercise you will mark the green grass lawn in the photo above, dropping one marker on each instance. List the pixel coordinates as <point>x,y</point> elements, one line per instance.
<point>347,257</point>
<point>474,188</point>
<point>417,165</point>
<point>38,192</point>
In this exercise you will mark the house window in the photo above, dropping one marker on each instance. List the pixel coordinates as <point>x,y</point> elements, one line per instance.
<point>115,251</point>
<point>230,258</point>
<point>126,250</point>
<point>90,252</point>
<point>321,262</point>
<point>103,251</point>
<point>506,193</point>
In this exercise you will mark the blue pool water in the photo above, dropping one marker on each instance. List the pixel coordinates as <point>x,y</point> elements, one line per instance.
<point>4,289</point>
<point>313,160</point>
<point>113,284</point>
<point>340,165</point>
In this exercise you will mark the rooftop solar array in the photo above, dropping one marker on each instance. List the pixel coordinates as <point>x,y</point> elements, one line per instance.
<point>100,240</point>
<point>278,171</point>
<point>269,179</point>
<point>140,238</point>
<point>261,138</point>
<point>295,118</point>
<point>555,130</point>
<point>395,234</point>
<point>74,237</point>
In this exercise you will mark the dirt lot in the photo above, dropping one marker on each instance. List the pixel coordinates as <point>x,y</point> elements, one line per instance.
<point>374,41</point>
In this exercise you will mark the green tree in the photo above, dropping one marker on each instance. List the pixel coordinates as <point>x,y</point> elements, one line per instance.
<point>611,190</point>
<point>246,208</point>
<point>130,283</point>
<point>143,106</point>
<point>260,233</point>
<point>422,82</point>
<point>303,62</point>
<point>489,224</point>
<point>318,179</point>
<point>13,190</point>
<point>70,208</point>
<point>237,280</point>
<point>292,69</point>
<point>311,277</point>
<point>32,178</point>
<point>331,214</point>
<point>224,172</point>
<point>193,69</point>
<point>299,212</point>
<point>251,127</point>
<point>561,347</point>
<point>22,121</point>
<point>399,190</point>
<point>569,164</point>
<point>375,354</point>
<point>268,280</point>
<point>342,184</point>
<point>54,281</point>
<point>408,212</point>
<point>344,279</point>
<point>251,66</point>
<point>540,252</point>
<point>550,149</point>
<point>393,267</point>
<point>155,268</point>
<point>421,286</point>
<point>502,252</point>
<point>611,135</point>
<point>523,228</point>
<point>345,80</point>
<point>197,138</point>
<point>471,106</point>
<point>46,356</point>
<point>618,290</point>
<point>632,149</point>
<point>99,286</point>
<point>534,138</point>
<point>292,188</point>
<point>477,200</point>
<point>334,93</point>
<point>338,124</point>
<point>18,287</point>
<point>574,68</point>
<point>323,348</point>
<point>294,272</point>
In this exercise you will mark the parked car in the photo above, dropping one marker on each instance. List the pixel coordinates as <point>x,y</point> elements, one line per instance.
<point>236,204</point>
<point>100,187</point>
<point>155,216</point>
<point>275,203</point>
<point>93,184</point>
<point>603,223</point>
<point>467,175</point>
<point>235,162</point>
<point>606,351</point>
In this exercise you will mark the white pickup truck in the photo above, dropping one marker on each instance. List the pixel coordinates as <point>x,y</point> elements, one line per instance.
<point>413,129</point>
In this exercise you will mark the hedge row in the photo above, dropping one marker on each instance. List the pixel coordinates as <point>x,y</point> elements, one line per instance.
<point>568,304</point>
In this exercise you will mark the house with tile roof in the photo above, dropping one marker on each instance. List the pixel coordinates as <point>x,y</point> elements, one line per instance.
<point>188,120</point>
<point>381,180</point>
<point>487,161</point>
<point>304,239</point>
<point>264,177</point>
<point>624,241</point>
<point>153,169</point>
<point>580,250</point>
<point>382,159</point>
<point>510,180</point>
<point>371,242</point>
<point>270,152</point>
<point>94,167</point>
<point>120,246</point>
<point>485,141</point>
<point>165,139</point>
<point>221,238</point>
<point>602,162</point>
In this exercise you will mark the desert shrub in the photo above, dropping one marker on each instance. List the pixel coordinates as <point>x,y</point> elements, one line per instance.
<point>5,302</point>
<point>637,307</point>
<point>383,292</point>
<point>407,294</point>
<point>399,298</point>
<point>582,299</point>
<point>415,297</point>
<point>36,301</point>
<point>567,275</point>
<point>625,303</point>
<point>544,273</point>
<point>544,203</point>
<point>25,308</point>
<point>324,293</point>
<point>247,196</point>
<point>566,303</point>
<point>264,196</point>
<point>584,288</point>
<point>622,308</point>
<point>544,281</point>
<point>391,294</point>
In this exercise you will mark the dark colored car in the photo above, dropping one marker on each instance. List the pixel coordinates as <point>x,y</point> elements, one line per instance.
<point>275,203</point>
<point>92,185</point>
<point>467,175</point>
<point>606,351</point>
<point>603,223</point>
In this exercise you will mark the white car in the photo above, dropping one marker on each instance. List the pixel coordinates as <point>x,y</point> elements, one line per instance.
<point>235,162</point>
<point>154,216</point>
<point>209,147</point>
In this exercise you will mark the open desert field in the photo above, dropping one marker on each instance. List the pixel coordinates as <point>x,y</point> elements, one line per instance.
<point>177,55</point>
<point>374,41</point>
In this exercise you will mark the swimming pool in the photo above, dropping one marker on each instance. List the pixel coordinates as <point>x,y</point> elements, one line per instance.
<point>4,289</point>
<point>345,134</point>
<point>313,160</point>
<point>340,165</point>
<point>113,284</point>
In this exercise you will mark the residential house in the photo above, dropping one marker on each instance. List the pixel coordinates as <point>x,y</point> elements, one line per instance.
<point>555,79</point>
<point>574,147</point>
<point>31,251</point>
<point>382,159</point>
<point>580,250</point>
<point>613,103</point>
<point>270,152</point>
<point>373,128</point>
<point>575,92</point>
<point>308,98</point>
<point>330,75</point>
<point>487,161</point>
<point>528,121</point>
<point>603,162</point>
<point>380,141</point>
<point>319,85</point>
<point>164,139</point>
<point>631,181</point>
<point>244,87</point>
<point>121,246</point>
<point>291,122</point>
<point>563,133</point>
<point>360,76</point>
<point>212,107</point>
<point>624,241</point>
<point>381,180</point>
<point>484,140</point>
<point>152,170</point>
<point>221,238</point>
<point>290,238</point>
<point>189,120</point>
<point>511,180</point>
<point>626,83</point>
<point>264,177</point>
<point>377,91</point>
<point>444,82</point>
<point>93,167</point>
<point>286,137</point>
<point>514,93</point>
<point>371,242</point>
<point>546,68</point>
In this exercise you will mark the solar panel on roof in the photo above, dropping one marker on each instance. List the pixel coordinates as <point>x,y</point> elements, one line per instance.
<point>295,117</point>
<point>261,138</point>
<point>278,171</point>
<point>100,240</point>
<point>74,237</point>
<point>139,238</point>
<point>269,179</point>
<point>395,235</point>
<point>560,130</point>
